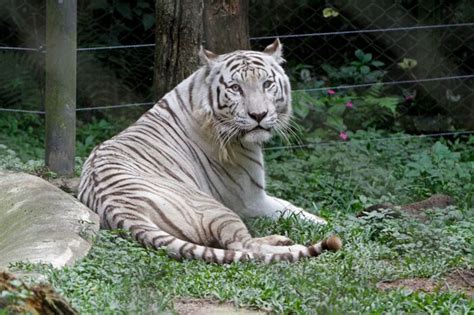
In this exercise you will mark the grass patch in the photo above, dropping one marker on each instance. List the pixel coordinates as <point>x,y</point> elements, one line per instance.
<point>335,181</point>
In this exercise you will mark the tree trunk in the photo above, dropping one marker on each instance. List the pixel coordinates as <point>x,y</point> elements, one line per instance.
<point>226,25</point>
<point>178,37</point>
<point>183,25</point>
<point>424,47</point>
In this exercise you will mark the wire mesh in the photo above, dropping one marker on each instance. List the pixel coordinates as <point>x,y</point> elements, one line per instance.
<point>420,50</point>
<point>412,43</point>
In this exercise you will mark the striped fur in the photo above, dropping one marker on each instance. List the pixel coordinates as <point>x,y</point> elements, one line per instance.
<point>184,173</point>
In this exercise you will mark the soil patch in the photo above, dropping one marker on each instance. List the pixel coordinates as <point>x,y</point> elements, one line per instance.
<point>210,307</point>
<point>459,280</point>
<point>416,209</point>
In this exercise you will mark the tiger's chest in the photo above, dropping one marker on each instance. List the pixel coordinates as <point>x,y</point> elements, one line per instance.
<point>235,183</point>
<point>183,153</point>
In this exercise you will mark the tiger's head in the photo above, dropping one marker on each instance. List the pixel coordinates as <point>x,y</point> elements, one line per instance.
<point>248,97</point>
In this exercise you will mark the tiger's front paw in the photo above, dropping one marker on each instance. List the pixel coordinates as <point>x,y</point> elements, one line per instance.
<point>311,218</point>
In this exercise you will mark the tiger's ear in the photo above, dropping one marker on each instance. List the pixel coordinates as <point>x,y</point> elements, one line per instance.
<point>207,57</point>
<point>275,50</point>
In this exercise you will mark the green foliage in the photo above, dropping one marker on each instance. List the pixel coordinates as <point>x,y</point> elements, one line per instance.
<point>24,134</point>
<point>10,160</point>
<point>447,231</point>
<point>325,112</point>
<point>91,134</point>
<point>361,70</point>
<point>374,98</point>
<point>335,181</point>
<point>441,168</point>
<point>376,168</point>
<point>22,142</point>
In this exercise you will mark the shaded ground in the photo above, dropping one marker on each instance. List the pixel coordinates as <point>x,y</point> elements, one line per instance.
<point>460,280</point>
<point>210,307</point>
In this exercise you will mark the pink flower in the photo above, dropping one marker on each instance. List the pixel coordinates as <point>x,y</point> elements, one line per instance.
<point>350,104</point>
<point>331,92</point>
<point>343,136</point>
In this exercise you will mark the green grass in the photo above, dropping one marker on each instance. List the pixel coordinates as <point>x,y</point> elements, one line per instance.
<point>335,181</point>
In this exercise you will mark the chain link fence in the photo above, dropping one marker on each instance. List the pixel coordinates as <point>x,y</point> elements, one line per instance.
<point>114,61</point>
<point>421,51</point>
<point>407,64</point>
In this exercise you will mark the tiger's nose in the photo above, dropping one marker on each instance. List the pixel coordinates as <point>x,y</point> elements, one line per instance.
<point>258,116</point>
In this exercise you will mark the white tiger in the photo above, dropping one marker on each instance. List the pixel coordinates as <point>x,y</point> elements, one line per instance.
<point>184,173</point>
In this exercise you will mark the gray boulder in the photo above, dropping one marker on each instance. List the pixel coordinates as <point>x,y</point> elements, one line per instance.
<point>40,223</point>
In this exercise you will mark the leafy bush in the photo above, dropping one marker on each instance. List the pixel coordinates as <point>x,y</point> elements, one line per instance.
<point>364,69</point>
<point>24,134</point>
<point>10,160</point>
<point>328,112</point>
<point>440,169</point>
<point>91,134</point>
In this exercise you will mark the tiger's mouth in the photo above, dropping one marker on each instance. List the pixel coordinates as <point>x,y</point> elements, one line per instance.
<point>258,134</point>
<point>260,128</point>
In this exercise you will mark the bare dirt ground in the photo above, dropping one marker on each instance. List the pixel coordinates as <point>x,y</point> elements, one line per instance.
<point>459,280</point>
<point>210,307</point>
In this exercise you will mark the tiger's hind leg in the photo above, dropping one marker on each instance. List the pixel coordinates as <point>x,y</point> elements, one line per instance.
<point>217,225</point>
<point>166,213</point>
<point>230,232</point>
<point>205,220</point>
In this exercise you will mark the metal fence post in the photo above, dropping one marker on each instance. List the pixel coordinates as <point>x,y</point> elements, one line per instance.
<point>60,94</point>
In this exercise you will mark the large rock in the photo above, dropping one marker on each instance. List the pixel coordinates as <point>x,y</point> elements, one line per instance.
<point>41,223</point>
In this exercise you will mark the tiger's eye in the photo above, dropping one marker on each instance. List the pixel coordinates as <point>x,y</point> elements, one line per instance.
<point>235,87</point>
<point>267,84</point>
